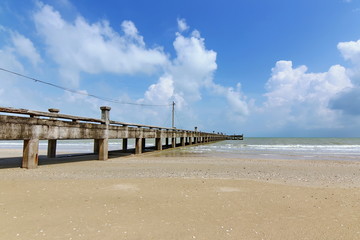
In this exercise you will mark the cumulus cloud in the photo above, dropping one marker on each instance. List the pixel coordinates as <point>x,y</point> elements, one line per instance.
<point>289,85</point>
<point>194,65</point>
<point>348,100</point>
<point>294,95</point>
<point>163,92</point>
<point>190,73</point>
<point>93,48</point>
<point>350,51</point>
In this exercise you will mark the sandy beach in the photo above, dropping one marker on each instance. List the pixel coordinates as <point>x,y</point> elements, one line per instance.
<point>169,196</point>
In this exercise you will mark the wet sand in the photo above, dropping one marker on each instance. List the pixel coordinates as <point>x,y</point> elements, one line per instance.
<point>167,196</point>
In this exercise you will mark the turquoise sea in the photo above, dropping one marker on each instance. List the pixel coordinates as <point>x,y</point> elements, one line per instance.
<point>260,148</point>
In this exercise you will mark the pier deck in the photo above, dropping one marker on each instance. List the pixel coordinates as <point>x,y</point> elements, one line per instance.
<point>32,126</point>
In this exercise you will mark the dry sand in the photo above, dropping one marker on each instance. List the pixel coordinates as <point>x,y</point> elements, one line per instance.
<point>166,196</point>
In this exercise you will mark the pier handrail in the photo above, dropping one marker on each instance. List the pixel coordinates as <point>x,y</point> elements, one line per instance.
<point>49,114</point>
<point>33,113</point>
<point>147,126</point>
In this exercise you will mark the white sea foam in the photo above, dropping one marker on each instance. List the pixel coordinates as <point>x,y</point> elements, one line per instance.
<point>295,148</point>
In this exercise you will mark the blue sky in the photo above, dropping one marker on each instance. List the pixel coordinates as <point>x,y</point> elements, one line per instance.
<point>263,68</point>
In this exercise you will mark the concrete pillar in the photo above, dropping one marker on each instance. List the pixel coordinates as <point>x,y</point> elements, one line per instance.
<point>138,145</point>
<point>173,142</point>
<point>190,141</point>
<point>30,153</point>
<point>96,145</point>
<point>182,141</point>
<point>103,149</point>
<point>51,152</point>
<point>195,137</point>
<point>124,144</point>
<point>104,142</point>
<point>158,144</point>
<point>143,144</point>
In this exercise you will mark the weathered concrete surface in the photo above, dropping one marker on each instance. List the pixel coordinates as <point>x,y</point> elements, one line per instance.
<point>54,126</point>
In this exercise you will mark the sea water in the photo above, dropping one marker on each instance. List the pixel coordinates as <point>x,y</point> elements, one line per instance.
<point>259,148</point>
<point>283,148</point>
<point>71,146</point>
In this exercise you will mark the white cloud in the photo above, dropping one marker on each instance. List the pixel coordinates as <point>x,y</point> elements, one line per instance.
<point>296,96</point>
<point>24,47</point>
<point>8,60</point>
<point>163,92</point>
<point>239,107</point>
<point>348,101</point>
<point>350,51</point>
<point>182,26</point>
<point>80,46</point>
<point>194,66</point>
<point>191,73</point>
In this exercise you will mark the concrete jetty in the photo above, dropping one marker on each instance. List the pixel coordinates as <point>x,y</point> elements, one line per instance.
<point>32,126</point>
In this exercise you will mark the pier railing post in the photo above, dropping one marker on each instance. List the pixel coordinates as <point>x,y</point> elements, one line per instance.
<point>104,141</point>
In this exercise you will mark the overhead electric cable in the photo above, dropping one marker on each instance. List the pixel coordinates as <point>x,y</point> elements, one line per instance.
<point>82,93</point>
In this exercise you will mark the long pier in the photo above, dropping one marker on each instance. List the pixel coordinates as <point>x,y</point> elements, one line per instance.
<point>32,126</point>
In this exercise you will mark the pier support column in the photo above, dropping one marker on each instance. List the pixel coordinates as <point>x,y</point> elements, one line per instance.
<point>138,145</point>
<point>167,142</point>
<point>143,144</point>
<point>190,141</point>
<point>96,146</point>
<point>182,141</point>
<point>104,142</point>
<point>158,144</point>
<point>103,149</point>
<point>30,153</point>
<point>195,137</point>
<point>51,152</point>
<point>173,142</point>
<point>124,144</point>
